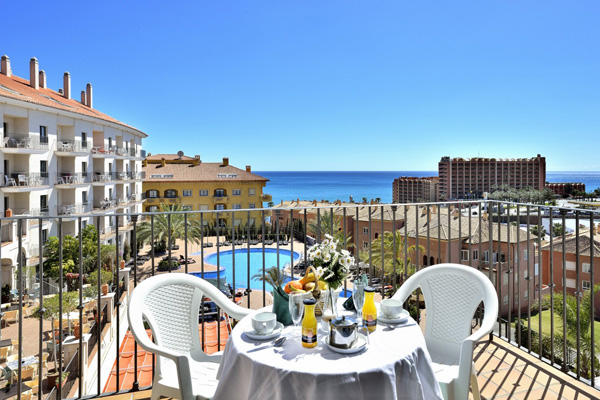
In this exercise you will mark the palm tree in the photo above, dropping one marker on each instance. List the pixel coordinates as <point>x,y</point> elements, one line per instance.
<point>328,220</point>
<point>176,230</point>
<point>273,276</point>
<point>569,313</point>
<point>392,259</point>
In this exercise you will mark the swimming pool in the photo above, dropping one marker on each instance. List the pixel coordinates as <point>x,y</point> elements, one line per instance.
<point>241,265</point>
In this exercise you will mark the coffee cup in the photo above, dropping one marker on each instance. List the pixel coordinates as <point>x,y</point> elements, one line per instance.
<point>263,323</point>
<point>391,308</point>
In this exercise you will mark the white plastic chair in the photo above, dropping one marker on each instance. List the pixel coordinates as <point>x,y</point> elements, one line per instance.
<point>452,293</point>
<point>170,304</point>
<point>10,181</point>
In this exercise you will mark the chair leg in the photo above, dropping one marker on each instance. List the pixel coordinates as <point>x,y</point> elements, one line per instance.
<point>475,386</point>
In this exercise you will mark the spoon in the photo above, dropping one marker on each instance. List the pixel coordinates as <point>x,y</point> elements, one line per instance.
<point>275,343</point>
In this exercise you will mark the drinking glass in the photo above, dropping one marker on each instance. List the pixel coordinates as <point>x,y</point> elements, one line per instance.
<point>296,304</point>
<point>358,297</point>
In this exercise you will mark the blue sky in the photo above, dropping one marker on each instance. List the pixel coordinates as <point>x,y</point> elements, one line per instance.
<point>331,85</point>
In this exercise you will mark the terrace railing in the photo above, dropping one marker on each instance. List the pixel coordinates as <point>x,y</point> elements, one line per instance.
<point>522,248</point>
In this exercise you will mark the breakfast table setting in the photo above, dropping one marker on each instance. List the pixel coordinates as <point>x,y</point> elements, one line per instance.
<point>360,350</point>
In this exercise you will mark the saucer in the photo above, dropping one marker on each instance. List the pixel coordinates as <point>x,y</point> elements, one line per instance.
<point>252,334</point>
<point>359,345</point>
<point>402,318</point>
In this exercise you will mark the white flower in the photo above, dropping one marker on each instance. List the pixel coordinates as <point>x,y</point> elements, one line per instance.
<point>319,271</point>
<point>328,236</point>
<point>326,257</point>
<point>345,253</point>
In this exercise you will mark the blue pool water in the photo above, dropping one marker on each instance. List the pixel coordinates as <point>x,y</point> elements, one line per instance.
<point>241,265</point>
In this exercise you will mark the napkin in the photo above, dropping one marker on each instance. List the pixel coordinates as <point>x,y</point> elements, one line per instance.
<point>349,304</point>
<point>281,306</point>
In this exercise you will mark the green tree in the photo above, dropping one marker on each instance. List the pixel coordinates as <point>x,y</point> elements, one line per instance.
<point>70,253</point>
<point>535,230</point>
<point>328,220</point>
<point>70,301</point>
<point>162,233</point>
<point>584,328</point>
<point>558,229</point>
<point>392,259</point>
<point>272,275</point>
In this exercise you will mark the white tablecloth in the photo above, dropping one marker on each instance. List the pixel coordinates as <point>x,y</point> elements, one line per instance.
<point>396,365</point>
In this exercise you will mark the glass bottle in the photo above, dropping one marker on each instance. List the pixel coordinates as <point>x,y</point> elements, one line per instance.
<point>309,324</point>
<point>369,311</point>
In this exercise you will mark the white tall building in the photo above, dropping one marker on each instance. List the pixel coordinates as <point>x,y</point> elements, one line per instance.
<point>61,157</point>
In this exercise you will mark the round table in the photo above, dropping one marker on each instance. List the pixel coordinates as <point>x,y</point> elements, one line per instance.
<point>395,365</point>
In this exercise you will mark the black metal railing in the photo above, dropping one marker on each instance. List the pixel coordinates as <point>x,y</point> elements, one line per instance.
<point>544,308</point>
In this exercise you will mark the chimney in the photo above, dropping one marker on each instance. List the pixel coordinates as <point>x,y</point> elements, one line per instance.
<point>34,73</point>
<point>196,160</point>
<point>5,66</point>
<point>225,161</point>
<point>248,168</point>
<point>83,97</point>
<point>60,91</point>
<point>163,162</point>
<point>67,85</point>
<point>88,92</point>
<point>43,84</point>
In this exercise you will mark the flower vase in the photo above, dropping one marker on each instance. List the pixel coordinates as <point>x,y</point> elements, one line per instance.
<point>330,310</point>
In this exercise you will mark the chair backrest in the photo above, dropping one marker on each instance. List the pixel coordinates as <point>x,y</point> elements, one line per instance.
<point>170,304</point>
<point>27,395</point>
<point>11,316</point>
<point>28,372</point>
<point>12,357</point>
<point>452,293</point>
<point>4,351</point>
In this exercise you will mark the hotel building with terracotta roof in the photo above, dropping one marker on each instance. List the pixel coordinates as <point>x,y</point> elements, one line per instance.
<point>62,157</point>
<point>461,178</point>
<point>202,186</point>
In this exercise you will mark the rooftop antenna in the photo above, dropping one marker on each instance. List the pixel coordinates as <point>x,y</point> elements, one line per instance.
<point>180,154</point>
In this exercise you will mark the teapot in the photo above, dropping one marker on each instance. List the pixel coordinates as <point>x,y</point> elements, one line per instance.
<point>343,332</point>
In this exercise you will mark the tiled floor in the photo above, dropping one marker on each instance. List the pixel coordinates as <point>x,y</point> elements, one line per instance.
<point>505,373</point>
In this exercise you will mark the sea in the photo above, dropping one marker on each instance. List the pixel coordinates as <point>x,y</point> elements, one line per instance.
<point>342,185</point>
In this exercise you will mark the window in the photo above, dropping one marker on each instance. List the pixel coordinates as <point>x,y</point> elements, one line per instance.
<point>237,222</point>
<point>505,299</point>
<point>84,197</point>
<point>486,256</point>
<point>475,255</point>
<point>220,207</point>
<point>203,207</point>
<point>152,194</point>
<point>526,294</point>
<point>237,192</point>
<point>170,193</point>
<point>251,192</point>
<point>186,208</point>
<point>43,134</point>
<point>152,208</point>
<point>365,245</point>
<point>571,283</point>
<point>187,193</point>
<point>464,255</point>
<point>586,267</point>
<point>586,285</point>
<point>571,265</point>
<point>84,167</point>
<point>44,203</point>
<point>251,205</point>
<point>219,192</point>
<point>365,231</point>
<point>251,221</point>
<point>237,206</point>
<point>84,143</point>
<point>504,279</point>
<point>203,192</point>
<point>44,168</point>
<point>109,143</point>
<point>525,255</point>
<point>44,235</point>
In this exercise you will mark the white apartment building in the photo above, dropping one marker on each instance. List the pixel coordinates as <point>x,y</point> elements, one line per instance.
<point>61,157</point>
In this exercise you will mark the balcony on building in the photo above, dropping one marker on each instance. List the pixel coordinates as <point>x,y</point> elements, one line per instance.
<point>26,143</point>
<point>511,363</point>
<point>75,209</point>
<point>73,147</point>
<point>66,180</point>
<point>17,182</point>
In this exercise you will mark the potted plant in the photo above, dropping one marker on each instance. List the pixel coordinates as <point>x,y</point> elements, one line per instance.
<point>105,278</point>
